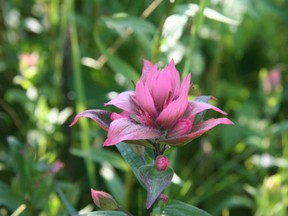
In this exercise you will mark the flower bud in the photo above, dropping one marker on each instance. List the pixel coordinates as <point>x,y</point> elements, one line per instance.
<point>103,200</point>
<point>161,163</point>
<point>164,198</point>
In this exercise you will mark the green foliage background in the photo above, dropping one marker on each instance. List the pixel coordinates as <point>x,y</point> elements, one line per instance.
<point>60,57</point>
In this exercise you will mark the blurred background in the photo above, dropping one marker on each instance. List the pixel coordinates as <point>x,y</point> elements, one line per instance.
<point>60,57</point>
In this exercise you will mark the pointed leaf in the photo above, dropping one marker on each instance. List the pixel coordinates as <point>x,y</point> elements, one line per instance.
<point>133,159</point>
<point>180,209</point>
<point>192,9</point>
<point>102,117</point>
<point>113,182</point>
<point>99,155</point>
<point>122,22</point>
<point>169,31</point>
<point>8,198</point>
<point>66,203</point>
<point>117,64</point>
<point>214,15</point>
<point>104,213</point>
<point>155,181</point>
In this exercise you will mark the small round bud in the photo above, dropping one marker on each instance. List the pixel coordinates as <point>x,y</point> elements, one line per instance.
<point>161,163</point>
<point>164,198</point>
<point>103,200</point>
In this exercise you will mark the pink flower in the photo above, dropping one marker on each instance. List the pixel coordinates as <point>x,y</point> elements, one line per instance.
<point>103,200</point>
<point>157,110</point>
<point>272,80</point>
<point>29,59</point>
<point>56,167</point>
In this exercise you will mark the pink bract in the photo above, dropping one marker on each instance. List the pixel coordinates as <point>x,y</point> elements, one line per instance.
<point>157,110</point>
<point>103,200</point>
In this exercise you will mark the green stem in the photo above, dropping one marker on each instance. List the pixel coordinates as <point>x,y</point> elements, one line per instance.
<point>195,27</point>
<point>284,173</point>
<point>163,149</point>
<point>129,182</point>
<point>148,211</point>
<point>157,149</point>
<point>56,49</point>
<point>81,100</point>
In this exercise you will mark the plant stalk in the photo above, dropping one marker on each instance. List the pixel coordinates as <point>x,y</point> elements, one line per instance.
<point>81,100</point>
<point>195,27</point>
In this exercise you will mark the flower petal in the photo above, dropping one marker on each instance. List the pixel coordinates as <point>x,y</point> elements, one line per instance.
<point>144,98</point>
<point>185,85</point>
<point>123,129</point>
<point>160,86</point>
<point>147,67</point>
<point>123,114</point>
<point>197,131</point>
<point>173,112</point>
<point>196,107</point>
<point>181,128</point>
<point>102,117</point>
<point>123,101</point>
<point>174,75</point>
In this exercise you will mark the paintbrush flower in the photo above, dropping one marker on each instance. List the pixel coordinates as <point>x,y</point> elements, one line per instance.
<point>158,110</point>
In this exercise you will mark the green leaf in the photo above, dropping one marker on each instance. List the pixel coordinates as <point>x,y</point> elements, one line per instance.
<point>101,155</point>
<point>192,9</point>
<point>113,182</point>
<point>23,164</point>
<point>104,213</point>
<point>178,208</point>
<point>117,65</point>
<point>155,181</point>
<point>144,41</point>
<point>8,198</point>
<point>233,202</point>
<point>132,158</point>
<point>71,194</point>
<point>123,22</point>
<point>66,203</point>
<point>280,128</point>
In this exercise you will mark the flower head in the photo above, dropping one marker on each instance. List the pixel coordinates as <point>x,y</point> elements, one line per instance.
<point>103,200</point>
<point>271,80</point>
<point>56,167</point>
<point>158,109</point>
